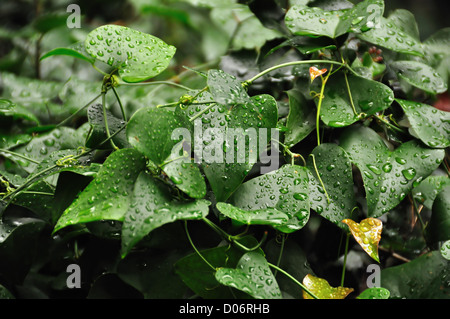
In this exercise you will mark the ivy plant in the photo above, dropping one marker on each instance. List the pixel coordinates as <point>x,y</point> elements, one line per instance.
<point>233,179</point>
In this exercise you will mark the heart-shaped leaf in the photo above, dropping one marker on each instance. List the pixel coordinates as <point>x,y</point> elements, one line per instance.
<point>430,125</point>
<point>228,140</point>
<point>368,97</point>
<point>278,195</point>
<point>226,88</point>
<point>387,175</point>
<point>420,75</point>
<point>252,276</point>
<point>389,34</point>
<point>367,234</point>
<point>138,56</point>
<point>322,289</point>
<point>151,207</point>
<point>108,195</point>
<point>153,132</point>
<point>337,200</point>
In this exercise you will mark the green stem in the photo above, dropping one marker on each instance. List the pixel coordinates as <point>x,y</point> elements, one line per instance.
<point>79,110</point>
<point>318,176</point>
<point>195,248</point>
<point>105,118</point>
<point>158,83</point>
<point>389,124</point>
<point>345,259</point>
<point>350,94</point>
<point>19,155</point>
<point>202,112</point>
<point>250,81</point>
<point>291,154</point>
<point>124,116</point>
<point>294,280</point>
<point>280,255</point>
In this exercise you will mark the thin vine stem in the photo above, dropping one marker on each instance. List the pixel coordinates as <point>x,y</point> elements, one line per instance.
<point>195,248</point>
<point>19,155</point>
<point>79,110</point>
<point>124,116</point>
<point>318,176</point>
<point>105,118</point>
<point>250,81</point>
<point>345,259</point>
<point>294,280</point>
<point>158,83</point>
<point>319,105</point>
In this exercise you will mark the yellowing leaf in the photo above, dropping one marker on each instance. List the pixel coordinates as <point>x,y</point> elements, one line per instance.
<point>322,289</point>
<point>367,234</point>
<point>315,72</point>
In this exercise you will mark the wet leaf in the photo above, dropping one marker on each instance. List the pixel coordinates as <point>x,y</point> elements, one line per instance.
<point>387,175</point>
<point>9,109</point>
<point>268,216</point>
<point>427,190</point>
<point>281,196</point>
<point>227,140</point>
<point>108,196</point>
<point>322,289</point>
<point>430,125</point>
<point>314,21</point>
<point>391,35</point>
<point>420,75</point>
<point>367,234</point>
<point>368,97</point>
<point>226,89</point>
<point>425,277</point>
<point>138,56</point>
<point>98,131</point>
<point>374,293</point>
<point>151,207</point>
<point>158,133</point>
<point>337,200</point>
<point>252,276</point>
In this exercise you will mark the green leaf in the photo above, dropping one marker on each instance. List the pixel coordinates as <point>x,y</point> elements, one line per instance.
<point>337,200</point>
<point>5,293</point>
<point>369,97</point>
<point>429,188</point>
<point>388,34</point>
<point>252,276</point>
<point>314,21</point>
<point>138,56</point>
<point>151,207</point>
<point>10,109</point>
<point>301,119</point>
<point>428,124</point>
<point>108,195</point>
<point>425,277</point>
<point>153,131</point>
<point>76,50</point>
<point>374,293</point>
<point>388,176</point>
<point>278,195</point>
<point>228,141</point>
<point>268,216</point>
<point>200,278</point>
<point>98,131</point>
<point>226,88</point>
<point>438,228</point>
<point>420,75</point>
